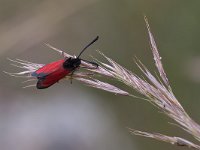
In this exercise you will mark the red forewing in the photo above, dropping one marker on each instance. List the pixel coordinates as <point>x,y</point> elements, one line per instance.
<point>52,78</point>
<point>48,69</point>
<point>50,74</point>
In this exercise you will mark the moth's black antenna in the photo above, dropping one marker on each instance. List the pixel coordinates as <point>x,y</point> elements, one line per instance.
<point>88,46</point>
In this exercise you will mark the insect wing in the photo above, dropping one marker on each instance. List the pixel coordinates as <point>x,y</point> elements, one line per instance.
<point>48,69</point>
<point>52,78</point>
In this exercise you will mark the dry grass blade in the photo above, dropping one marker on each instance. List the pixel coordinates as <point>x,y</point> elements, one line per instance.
<point>172,140</point>
<point>104,86</point>
<point>156,55</point>
<point>58,50</point>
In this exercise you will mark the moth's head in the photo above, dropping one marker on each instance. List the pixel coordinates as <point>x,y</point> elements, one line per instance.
<point>72,63</point>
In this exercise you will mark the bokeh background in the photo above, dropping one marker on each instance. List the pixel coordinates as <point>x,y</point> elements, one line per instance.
<point>77,117</point>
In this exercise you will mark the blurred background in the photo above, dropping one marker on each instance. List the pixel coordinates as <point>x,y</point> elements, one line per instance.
<point>76,117</point>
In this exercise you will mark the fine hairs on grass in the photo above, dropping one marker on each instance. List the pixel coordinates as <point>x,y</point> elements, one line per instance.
<point>155,89</point>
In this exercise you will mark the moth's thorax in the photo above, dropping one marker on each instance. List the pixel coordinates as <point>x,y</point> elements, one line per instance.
<point>71,63</point>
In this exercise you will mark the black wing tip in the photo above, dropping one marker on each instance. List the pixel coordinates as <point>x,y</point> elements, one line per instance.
<point>39,75</point>
<point>40,86</point>
<point>34,74</point>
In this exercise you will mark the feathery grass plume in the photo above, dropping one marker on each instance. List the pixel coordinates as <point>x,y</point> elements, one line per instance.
<point>156,92</point>
<point>155,89</point>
